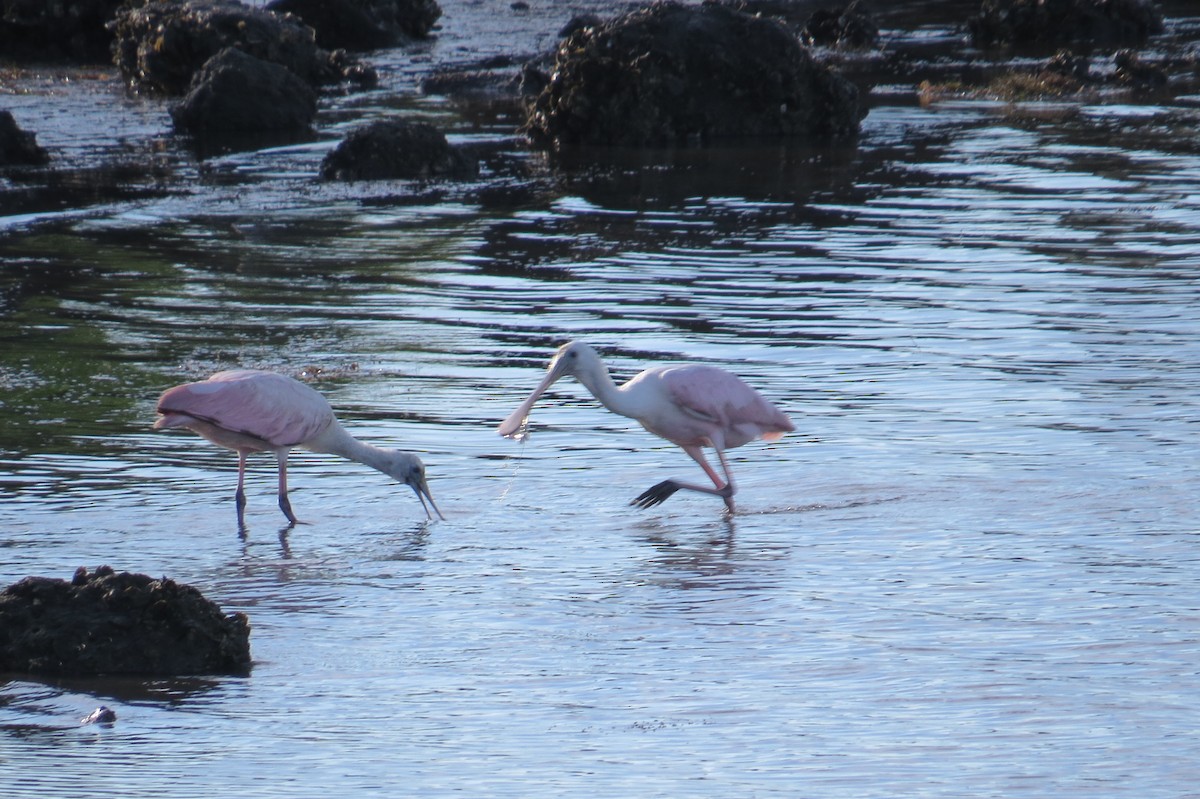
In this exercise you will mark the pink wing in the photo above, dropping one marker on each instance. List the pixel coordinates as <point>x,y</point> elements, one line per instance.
<point>723,398</point>
<point>279,410</point>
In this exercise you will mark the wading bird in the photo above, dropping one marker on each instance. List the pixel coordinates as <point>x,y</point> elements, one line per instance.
<point>247,411</point>
<point>692,406</point>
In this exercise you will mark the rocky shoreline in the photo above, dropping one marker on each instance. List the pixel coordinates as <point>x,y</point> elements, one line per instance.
<point>235,76</point>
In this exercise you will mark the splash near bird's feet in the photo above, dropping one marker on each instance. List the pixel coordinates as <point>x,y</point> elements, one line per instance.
<point>656,494</point>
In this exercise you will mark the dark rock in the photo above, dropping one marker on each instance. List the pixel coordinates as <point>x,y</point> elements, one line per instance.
<point>161,45</point>
<point>363,24</point>
<point>18,147</point>
<point>670,73</point>
<point>1132,71</point>
<point>396,149</point>
<point>101,715</point>
<point>1040,23</point>
<point>846,27</point>
<point>117,623</point>
<point>238,93</point>
<point>353,71</point>
<point>1068,64</point>
<point>70,30</point>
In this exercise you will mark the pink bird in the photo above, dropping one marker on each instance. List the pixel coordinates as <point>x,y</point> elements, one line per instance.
<point>247,411</point>
<point>691,406</point>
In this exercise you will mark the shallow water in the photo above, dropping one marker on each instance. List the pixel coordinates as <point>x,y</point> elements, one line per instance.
<point>971,571</point>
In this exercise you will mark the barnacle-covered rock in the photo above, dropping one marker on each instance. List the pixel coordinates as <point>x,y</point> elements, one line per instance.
<point>161,45</point>
<point>109,622</point>
<point>238,93</point>
<point>363,24</point>
<point>397,149</point>
<point>670,73</point>
<point>1103,23</point>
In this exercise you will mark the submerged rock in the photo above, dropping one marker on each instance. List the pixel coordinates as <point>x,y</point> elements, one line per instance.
<point>670,73</point>
<point>847,26</point>
<point>238,93</point>
<point>1132,71</point>
<point>363,24</point>
<point>1103,23</point>
<point>117,623</point>
<point>161,45</point>
<point>397,149</point>
<point>18,147</point>
<point>844,26</point>
<point>38,30</point>
<point>101,715</point>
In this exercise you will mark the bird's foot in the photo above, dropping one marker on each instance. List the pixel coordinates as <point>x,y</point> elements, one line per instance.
<point>656,494</point>
<point>286,507</point>
<point>726,494</point>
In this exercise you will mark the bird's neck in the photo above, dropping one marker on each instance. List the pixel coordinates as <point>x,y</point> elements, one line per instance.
<point>610,395</point>
<point>336,441</point>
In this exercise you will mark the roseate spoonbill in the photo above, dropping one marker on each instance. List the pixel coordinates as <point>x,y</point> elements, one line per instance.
<point>692,406</point>
<point>247,410</point>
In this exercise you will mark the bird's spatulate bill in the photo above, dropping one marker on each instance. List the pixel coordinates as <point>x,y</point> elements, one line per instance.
<point>422,492</point>
<point>514,426</point>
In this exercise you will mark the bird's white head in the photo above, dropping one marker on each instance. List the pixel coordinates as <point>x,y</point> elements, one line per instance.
<point>410,470</point>
<point>574,358</point>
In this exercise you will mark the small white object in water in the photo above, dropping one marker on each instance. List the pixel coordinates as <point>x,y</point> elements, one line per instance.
<point>101,715</point>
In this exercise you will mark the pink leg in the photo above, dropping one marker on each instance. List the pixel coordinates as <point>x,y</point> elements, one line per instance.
<point>240,496</point>
<point>285,504</point>
<point>697,455</point>
<point>730,489</point>
<point>724,489</point>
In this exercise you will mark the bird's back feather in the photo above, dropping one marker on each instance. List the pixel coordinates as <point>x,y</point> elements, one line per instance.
<point>275,408</point>
<point>712,393</point>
